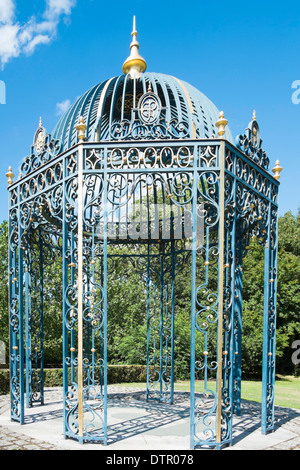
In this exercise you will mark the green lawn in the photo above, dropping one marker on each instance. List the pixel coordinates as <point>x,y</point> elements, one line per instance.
<point>287,390</point>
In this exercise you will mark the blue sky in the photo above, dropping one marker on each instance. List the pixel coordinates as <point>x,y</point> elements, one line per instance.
<point>242,55</point>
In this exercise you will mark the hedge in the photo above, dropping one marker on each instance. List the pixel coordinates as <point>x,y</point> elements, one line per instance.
<point>4,382</point>
<point>115,374</point>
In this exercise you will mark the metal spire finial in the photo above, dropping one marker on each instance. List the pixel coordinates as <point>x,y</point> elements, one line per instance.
<point>135,64</point>
<point>10,176</point>
<point>277,170</point>
<point>81,129</point>
<point>221,124</point>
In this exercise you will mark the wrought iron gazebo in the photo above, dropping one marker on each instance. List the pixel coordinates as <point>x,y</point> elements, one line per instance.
<point>147,161</point>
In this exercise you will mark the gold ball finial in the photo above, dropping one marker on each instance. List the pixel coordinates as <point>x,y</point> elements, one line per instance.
<point>221,124</point>
<point>10,176</point>
<point>277,170</point>
<point>81,128</point>
<point>135,65</point>
<point>254,115</point>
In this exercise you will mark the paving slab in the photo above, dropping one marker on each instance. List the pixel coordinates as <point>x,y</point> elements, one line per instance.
<point>137,425</point>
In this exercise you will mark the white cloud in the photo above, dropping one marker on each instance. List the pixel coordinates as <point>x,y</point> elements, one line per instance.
<point>62,108</point>
<point>7,11</point>
<point>56,8</point>
<point>34,42</point>
<point>17,38</point>
<point>9,42</point>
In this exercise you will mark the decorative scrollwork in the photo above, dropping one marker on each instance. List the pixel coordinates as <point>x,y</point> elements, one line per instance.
<point>110,188</point>
<point>139,130</point>
<point>251,144</point>
<point>41,154</point>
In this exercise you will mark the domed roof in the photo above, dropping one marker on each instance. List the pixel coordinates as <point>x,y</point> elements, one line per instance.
<point>110,112</point>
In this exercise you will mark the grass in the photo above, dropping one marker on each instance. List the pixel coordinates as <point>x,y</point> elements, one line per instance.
<point>287,390</point>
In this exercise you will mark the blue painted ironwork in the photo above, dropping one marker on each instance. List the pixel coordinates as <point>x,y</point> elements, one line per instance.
<point>237,359</point>
<point>16,321</point>
<point>36,259</point>
<point>160,322</point>
<point>110,111</point>
<point>269,346</point>
<point>154,182</point>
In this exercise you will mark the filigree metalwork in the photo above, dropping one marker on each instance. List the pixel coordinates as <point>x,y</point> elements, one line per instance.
<point>251,145</point>
<point>42,152</point>
<point>149,108</point>
<point>149,186</point>
<point>141,130</point>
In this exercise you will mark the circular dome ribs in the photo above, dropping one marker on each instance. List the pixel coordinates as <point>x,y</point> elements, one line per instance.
<point>113,103</point>
<point>110,112</point>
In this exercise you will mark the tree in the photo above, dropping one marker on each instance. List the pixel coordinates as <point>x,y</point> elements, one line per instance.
<point>127,305</point>
<point>288,298</point>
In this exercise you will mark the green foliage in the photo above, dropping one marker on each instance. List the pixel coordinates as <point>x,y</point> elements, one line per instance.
<point>53,377</point>
<point>116,374</point>
<point>127,307</point>
<point>288,299</point>
<point>53,311</point>
<point>4,382</point>
<point>127,313</point>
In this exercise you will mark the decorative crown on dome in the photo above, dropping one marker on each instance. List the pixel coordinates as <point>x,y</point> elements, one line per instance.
<point>135,64</point>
